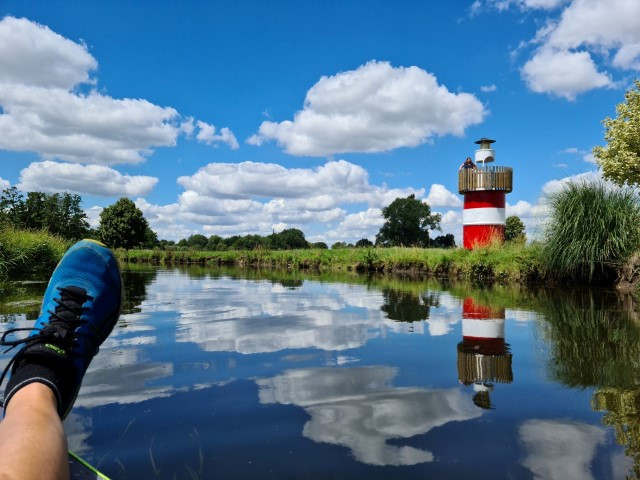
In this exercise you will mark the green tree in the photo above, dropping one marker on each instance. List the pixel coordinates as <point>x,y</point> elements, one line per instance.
<point>444,241</point>
<point>122,225</point>
<point>320,245</point>
<point>150,239</point>
<point>71,219</point>
<point>197,241</point>
<point>215,243</point>
<point>364,243</point>
<point>59,213</point>
<point>514,230</point>
<point>12,207</point>
<point>620,158</point>
<point>288,239</point>
<point>407,223</point>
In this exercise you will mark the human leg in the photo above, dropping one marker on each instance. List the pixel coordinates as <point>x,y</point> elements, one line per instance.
<point>32,440</point>
<point>80,308</point>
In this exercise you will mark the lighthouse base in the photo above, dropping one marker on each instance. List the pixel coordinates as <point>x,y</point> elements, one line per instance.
<point>480,235</point>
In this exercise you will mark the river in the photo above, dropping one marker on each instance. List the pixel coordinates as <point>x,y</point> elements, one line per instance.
<point>234,374</point>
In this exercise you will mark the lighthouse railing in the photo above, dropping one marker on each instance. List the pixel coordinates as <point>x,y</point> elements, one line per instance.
<point>485,178</point>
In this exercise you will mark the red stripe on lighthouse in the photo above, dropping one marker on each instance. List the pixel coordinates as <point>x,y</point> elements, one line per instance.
<point>483,218</point>
<point>484,199</point>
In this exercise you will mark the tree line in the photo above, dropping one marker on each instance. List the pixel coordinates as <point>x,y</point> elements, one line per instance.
<point>122,225</point>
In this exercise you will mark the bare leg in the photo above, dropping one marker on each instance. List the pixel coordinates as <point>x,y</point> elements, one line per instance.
<point>32,441</point>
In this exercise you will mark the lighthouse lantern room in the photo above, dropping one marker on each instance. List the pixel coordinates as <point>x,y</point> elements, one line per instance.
<point>484,188</point>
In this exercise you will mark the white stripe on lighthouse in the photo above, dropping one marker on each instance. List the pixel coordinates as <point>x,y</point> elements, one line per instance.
<point>483,216</point>
<point>483,328</point>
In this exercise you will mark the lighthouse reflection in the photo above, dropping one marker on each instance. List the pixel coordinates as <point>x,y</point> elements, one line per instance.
<point>484,357</point>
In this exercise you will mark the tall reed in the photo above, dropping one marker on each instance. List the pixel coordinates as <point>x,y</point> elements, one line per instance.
<point>29,253</point>
<point>593,228</point>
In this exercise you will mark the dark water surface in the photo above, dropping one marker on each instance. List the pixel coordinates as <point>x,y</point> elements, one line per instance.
<point>232,374</point>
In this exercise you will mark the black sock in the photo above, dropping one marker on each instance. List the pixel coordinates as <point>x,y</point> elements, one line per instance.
<point>57,374</point>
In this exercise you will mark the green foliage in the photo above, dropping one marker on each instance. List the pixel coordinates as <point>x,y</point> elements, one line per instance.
<point>510,262</point>
<point>593,229</point>
<point>122,225</point>
<point>407,223</point>
<point>593,341</point>
<point>197,241</point>
<point>289,238</point>
<point>514,230</point>
<point>150,239</point>
<point>26,253</point>
<point>620,158</point>
<point>59,213</point>
<point>320,245</point>
<point>444,241</point>
<point>364,243</point>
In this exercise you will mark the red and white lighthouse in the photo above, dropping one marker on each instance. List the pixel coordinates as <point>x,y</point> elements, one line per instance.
<point>483,354</point>
<point>484,188</point>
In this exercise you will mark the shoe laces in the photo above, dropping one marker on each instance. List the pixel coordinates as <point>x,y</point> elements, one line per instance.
<point>60,330</point>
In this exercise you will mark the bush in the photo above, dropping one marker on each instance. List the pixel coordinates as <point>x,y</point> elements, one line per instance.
<point>593,229</point>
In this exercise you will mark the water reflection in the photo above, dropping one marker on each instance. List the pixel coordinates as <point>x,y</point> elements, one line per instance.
<point>375,374</point>
<point>594,341</point>
<point>238,315</point>
<point>560,449</point>
<point>20,300</point>
<point>136,281</point>
<point>408,307</point>
<point>483,354</point>
<point>358,408</point>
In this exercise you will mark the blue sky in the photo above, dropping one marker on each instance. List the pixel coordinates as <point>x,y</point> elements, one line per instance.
<point>247,117</point>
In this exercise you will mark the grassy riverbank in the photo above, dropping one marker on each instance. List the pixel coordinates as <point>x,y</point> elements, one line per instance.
<point>511,263</point>
<point>29,254</point>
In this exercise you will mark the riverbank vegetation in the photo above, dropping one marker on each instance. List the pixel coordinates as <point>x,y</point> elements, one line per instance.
<point>593,231</point>
<point>511,262</point>
<point>25,253</point>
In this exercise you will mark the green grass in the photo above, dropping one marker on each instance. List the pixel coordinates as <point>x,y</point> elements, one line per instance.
<point>26,254</point>
<point>594,228</point>
<point>508,262</point>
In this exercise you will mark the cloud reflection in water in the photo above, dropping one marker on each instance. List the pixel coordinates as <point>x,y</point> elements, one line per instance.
<point>359,409</point>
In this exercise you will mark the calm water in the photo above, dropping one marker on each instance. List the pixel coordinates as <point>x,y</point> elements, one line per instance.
<point>227,374</point>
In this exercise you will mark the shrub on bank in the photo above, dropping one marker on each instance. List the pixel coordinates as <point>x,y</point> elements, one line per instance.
<point>29,253</point>
<point>593,229</point>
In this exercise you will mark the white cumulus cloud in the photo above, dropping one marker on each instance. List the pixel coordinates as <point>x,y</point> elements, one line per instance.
<point>563,73</point>
<point>553,186</point>
<point>564,63</point>
<point>249,197</point>
<point>375,108</point>
<point>51,176</point>
<point>327,184</point>
<point>31,54</point>
<point>4,184</point>
<point>49,105</point>
<point>439,196</point>
<point>207,134</point>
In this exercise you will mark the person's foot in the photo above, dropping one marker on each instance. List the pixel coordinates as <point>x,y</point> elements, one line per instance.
<point>80,308</point>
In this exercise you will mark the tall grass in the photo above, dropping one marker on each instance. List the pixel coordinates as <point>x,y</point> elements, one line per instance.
<point>29,254</point>
<point>593,229</point>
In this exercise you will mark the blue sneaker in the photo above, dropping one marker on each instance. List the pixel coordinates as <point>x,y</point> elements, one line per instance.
<point>80,308</point>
